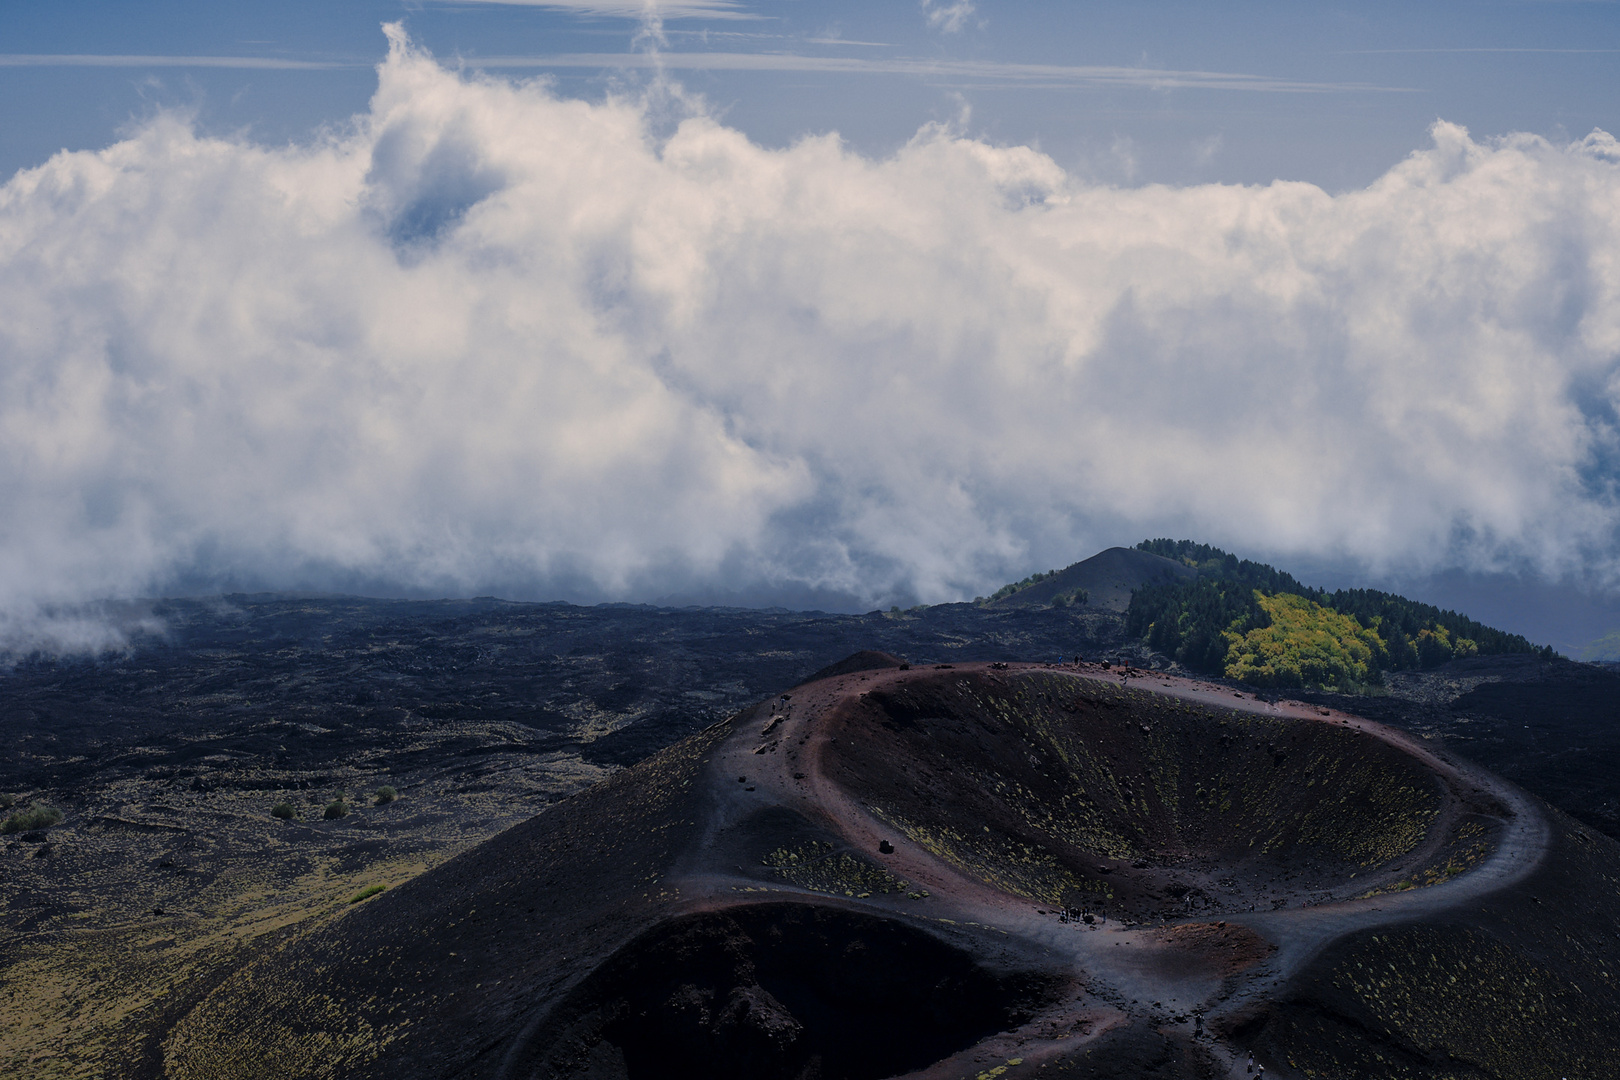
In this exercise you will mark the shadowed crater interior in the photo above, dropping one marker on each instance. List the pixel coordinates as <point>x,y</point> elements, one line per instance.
<point>780,992</point>
<point>1075,792</point>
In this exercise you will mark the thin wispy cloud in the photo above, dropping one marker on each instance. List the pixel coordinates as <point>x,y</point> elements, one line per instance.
<point>131,60</point>
<point>948,16</point>
<point>1480,49</point>
<point>1054,76</point>
<point>990,71</point>
<point>636,9</point>
<point>708,34</point>
<point>847,41</point>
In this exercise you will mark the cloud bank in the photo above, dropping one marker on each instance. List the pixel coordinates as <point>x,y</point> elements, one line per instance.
<point>487,339</point>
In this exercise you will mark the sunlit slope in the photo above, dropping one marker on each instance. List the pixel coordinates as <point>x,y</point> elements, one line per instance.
<point>428,978</point>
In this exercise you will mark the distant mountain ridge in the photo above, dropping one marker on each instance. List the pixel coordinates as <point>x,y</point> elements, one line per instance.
<point>1254,623</point>
<point>1218,614</point>
<point>1106,581</point>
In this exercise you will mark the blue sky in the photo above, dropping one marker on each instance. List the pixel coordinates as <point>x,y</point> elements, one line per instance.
<point>1125,92</point>
<point>821,304</point>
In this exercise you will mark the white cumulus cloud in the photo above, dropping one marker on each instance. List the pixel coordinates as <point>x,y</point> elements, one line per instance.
<point>491,339</point>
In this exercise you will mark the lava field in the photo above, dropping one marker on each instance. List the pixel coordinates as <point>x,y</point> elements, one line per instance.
<point>169,875</point>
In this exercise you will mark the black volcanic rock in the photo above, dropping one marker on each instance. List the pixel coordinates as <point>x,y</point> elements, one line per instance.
<point>1311,887</point>
<point>1552,726</point>
<point>292,684</point>
<point>781,990</point>
<point>167,761</point>
<point>865,660</point>
<point>1520,985</point>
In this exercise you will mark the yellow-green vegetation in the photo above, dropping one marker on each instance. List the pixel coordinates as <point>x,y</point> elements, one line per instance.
<point>286,811</point>
<point>293,1011</point>
<point>1437,641</point>
<point>1061,777</point>
<point>1468,849</point>
<point>154,896</point>
<point>74,1000</point>
<point>37,816</point>
<point>819,867</point>
<point>1274,784</point>
<point>335,809</point>
<point>1213,623</point>
<point>1010,865</point>
<point>332,1040</point>
<point>1305,644</point>
<point>1462,996</point>
<point>1016,586</point>
<point>385,795</point>
<point>366,893</point>
<point>1606,647</point>
<point>1522,984</point>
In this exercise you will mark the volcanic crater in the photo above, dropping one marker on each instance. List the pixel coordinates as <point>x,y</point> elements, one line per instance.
<point>968,870</point>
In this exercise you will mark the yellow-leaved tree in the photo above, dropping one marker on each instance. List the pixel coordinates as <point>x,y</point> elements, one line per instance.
<point>1305,645</point>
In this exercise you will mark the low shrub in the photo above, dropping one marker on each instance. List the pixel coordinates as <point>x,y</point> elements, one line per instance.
<point>7,801</point>
<point>386,794</point>
<point>366,893</point>
<point>335,809</point>
<point>284,810</point>
<point>37,816</point>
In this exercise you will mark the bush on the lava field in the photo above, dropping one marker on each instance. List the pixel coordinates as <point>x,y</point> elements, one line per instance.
<point>7,801</point>
<point>37,816</point>
<point>1302,644</point>
<point>335,809</point>
<point>286,811</point>
<point>386,794</point>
